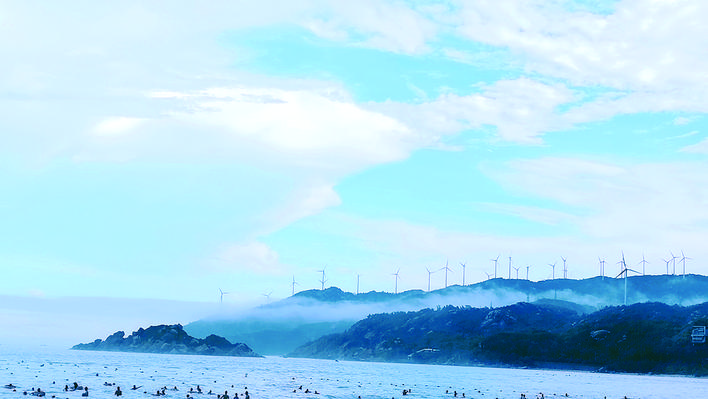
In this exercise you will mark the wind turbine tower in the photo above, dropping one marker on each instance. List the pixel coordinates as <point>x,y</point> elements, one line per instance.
<point>517,272</point>
<point>625,271</point>
<point>268,296</point>
<point>644,263</point>
<point>294,284</point>
<point>602,267</point>
<point>565,268</point>
<point>221,297</point>
<point>496,261</point>
<point>447,269</point>
<point>527,271</point>
<point>489,275</point>
<point>429,273</point>
<point>683,260</point>
<point>463,273</point>
<point>673,258</point>
<point>396,274</point>
<point>509,267</point>
<point>357,284</point>
<point>667,265</point>
<point>323,280</point>
<point>553,265</point>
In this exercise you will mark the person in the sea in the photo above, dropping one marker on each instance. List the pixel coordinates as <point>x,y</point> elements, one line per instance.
<point>85,392</point>
<point>118,392</point>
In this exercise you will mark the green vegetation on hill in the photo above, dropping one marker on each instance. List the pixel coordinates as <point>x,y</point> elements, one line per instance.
<point>649,337</point>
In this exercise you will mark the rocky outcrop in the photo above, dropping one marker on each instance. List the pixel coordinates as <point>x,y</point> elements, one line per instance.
<point>168,339</point>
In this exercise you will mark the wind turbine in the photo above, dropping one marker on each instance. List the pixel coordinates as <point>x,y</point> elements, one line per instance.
<point>323,280</point>
<point>683,260</point>
<point>517,272</point>
<point>553,276</point>
<point>221,298</point>
<point>527,271</point>
<point>294,284</point>
<point>463,273</point>
<point>489,275</point>
<point>357,284</point>
<point>509,267</point>
<point>565,269</point>
<point>396,274</point>
<point>667,265</point>
<point>447,269</point>
<point>625,271</point>
<point>644,263</point>
<point>602,267</point>
<point>268,296</point>
<point>429,273</point>
<point>496,261</point>
<point>673,258</point>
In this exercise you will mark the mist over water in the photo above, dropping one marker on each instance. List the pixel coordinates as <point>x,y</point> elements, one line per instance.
<point>275,377</point>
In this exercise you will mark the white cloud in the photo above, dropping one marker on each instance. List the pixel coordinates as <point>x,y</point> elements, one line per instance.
<point>638,46</point>
<point>309,199</point>
<point>305,126</point>
<point>116,126</point>
<point>369,23</point>
<point>532,213</point>
<point>682,120</point>
<point>654,204</point>
<point>253,257</point>
<point>699,148</point>
<point>522,110</point>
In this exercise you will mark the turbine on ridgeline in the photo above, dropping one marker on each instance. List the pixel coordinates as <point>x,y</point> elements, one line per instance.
<point>395,291</point>
<point>463,273</point>
<point>221,297</point>
<point>625,271</point>
<point>602,267</point>
<point>496,261</point>
<point>429,273</point>
<point>517,272</point>
<point>323,280</point>
<point>644,263</point>
<point>489,275</point>
<point>565,268</point>
<point>267,296</point>
<point>509,267</point>
<point>553,265</point>
<point>673,258</point>
<point>683,260</point>
<point>294,284</point>
<point>667,265</point>
<point>447,269</point>
<point>527,271</point>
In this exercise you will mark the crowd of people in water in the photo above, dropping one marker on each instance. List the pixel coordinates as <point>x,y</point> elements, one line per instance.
<point>198,391</point>
<point>118,392</point>
<point>193,392</point>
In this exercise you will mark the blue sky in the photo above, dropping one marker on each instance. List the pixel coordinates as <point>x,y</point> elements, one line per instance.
<point>165,151</point>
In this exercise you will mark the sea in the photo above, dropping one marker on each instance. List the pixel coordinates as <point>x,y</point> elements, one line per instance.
<point>279,377</point>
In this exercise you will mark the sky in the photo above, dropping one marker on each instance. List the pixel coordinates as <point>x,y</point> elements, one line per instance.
<point>166,150</point>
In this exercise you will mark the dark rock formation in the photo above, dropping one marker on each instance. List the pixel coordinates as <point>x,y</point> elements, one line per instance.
<point>168,339</point>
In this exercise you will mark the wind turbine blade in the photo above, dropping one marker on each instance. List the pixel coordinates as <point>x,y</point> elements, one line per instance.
<point>622,272</point>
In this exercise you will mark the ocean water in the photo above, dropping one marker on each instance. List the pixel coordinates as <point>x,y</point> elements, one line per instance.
<point>276,377</point>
